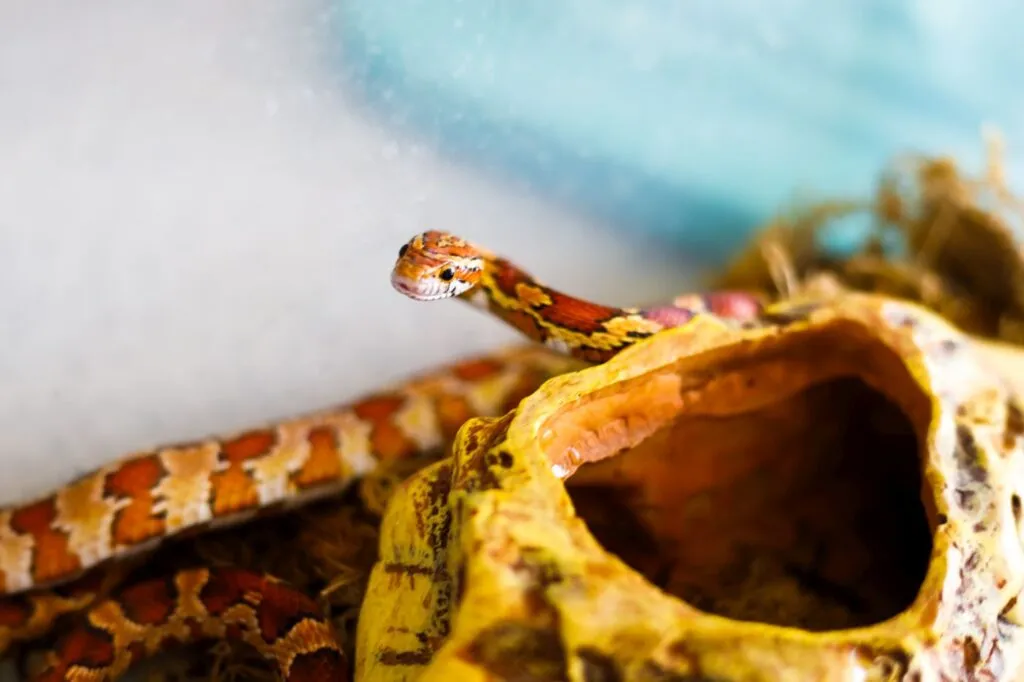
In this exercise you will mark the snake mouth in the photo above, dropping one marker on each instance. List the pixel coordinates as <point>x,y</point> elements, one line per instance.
<point>416,290</point>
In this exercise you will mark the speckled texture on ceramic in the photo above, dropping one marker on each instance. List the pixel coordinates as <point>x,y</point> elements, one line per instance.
<point>488,566</point>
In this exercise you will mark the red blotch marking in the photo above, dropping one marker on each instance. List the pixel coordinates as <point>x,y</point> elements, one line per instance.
<point>220,592</point>
<point>135,480</point>
<point>735,305</point>
<point>324,463</point>
<point>135,477</point>
<point>669,316</point>
<point>249,445</point>
<point>379,408</point>
<point>318,666</point>
<point>51,559</point>
<point>15,612</point>
<point>387,440</point>
<point>151,602</point>
<point>280,608</point>
<point>84,646</point>
<point>477,369</point>
<point>508,277</point>
<point>452,413</point>
<point>577,315</point>
<point>233,489</point>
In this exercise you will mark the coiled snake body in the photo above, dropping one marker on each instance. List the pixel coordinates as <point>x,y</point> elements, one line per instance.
<point>49,546</point>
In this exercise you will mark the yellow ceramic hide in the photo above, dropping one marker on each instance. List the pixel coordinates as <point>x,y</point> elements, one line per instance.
<point>831,495</point>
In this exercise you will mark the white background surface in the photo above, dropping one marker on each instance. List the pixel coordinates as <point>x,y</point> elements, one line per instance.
<point>197,227</point>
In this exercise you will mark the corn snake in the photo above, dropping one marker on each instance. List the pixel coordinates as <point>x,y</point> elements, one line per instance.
<point>437,265</point>
<point>50,547</point>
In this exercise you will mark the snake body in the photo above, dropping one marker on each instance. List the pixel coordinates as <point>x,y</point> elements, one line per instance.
<point>437,265</point>
<point>50,546</point>
<point>285,626</point>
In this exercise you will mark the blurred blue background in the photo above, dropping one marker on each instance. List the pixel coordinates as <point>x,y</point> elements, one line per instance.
<point>691,121</point>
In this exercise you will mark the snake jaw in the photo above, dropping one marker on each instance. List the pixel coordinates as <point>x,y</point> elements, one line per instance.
<point>427,289</point>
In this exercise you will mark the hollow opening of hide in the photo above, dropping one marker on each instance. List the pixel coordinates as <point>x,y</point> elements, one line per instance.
<point>777,482</point>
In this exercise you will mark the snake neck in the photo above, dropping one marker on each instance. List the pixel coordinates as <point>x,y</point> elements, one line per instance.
<point>588,331</point>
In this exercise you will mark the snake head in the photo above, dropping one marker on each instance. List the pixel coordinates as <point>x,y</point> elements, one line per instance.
<point>435,265</point>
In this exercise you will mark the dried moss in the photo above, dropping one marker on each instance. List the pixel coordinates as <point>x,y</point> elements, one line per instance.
<point>936,236</point>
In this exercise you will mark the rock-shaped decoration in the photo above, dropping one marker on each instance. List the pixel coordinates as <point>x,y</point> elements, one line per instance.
<point>833,494</point>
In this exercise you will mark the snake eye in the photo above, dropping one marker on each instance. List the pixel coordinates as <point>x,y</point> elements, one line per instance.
<point>401,251</point>
<point>447,274</point>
